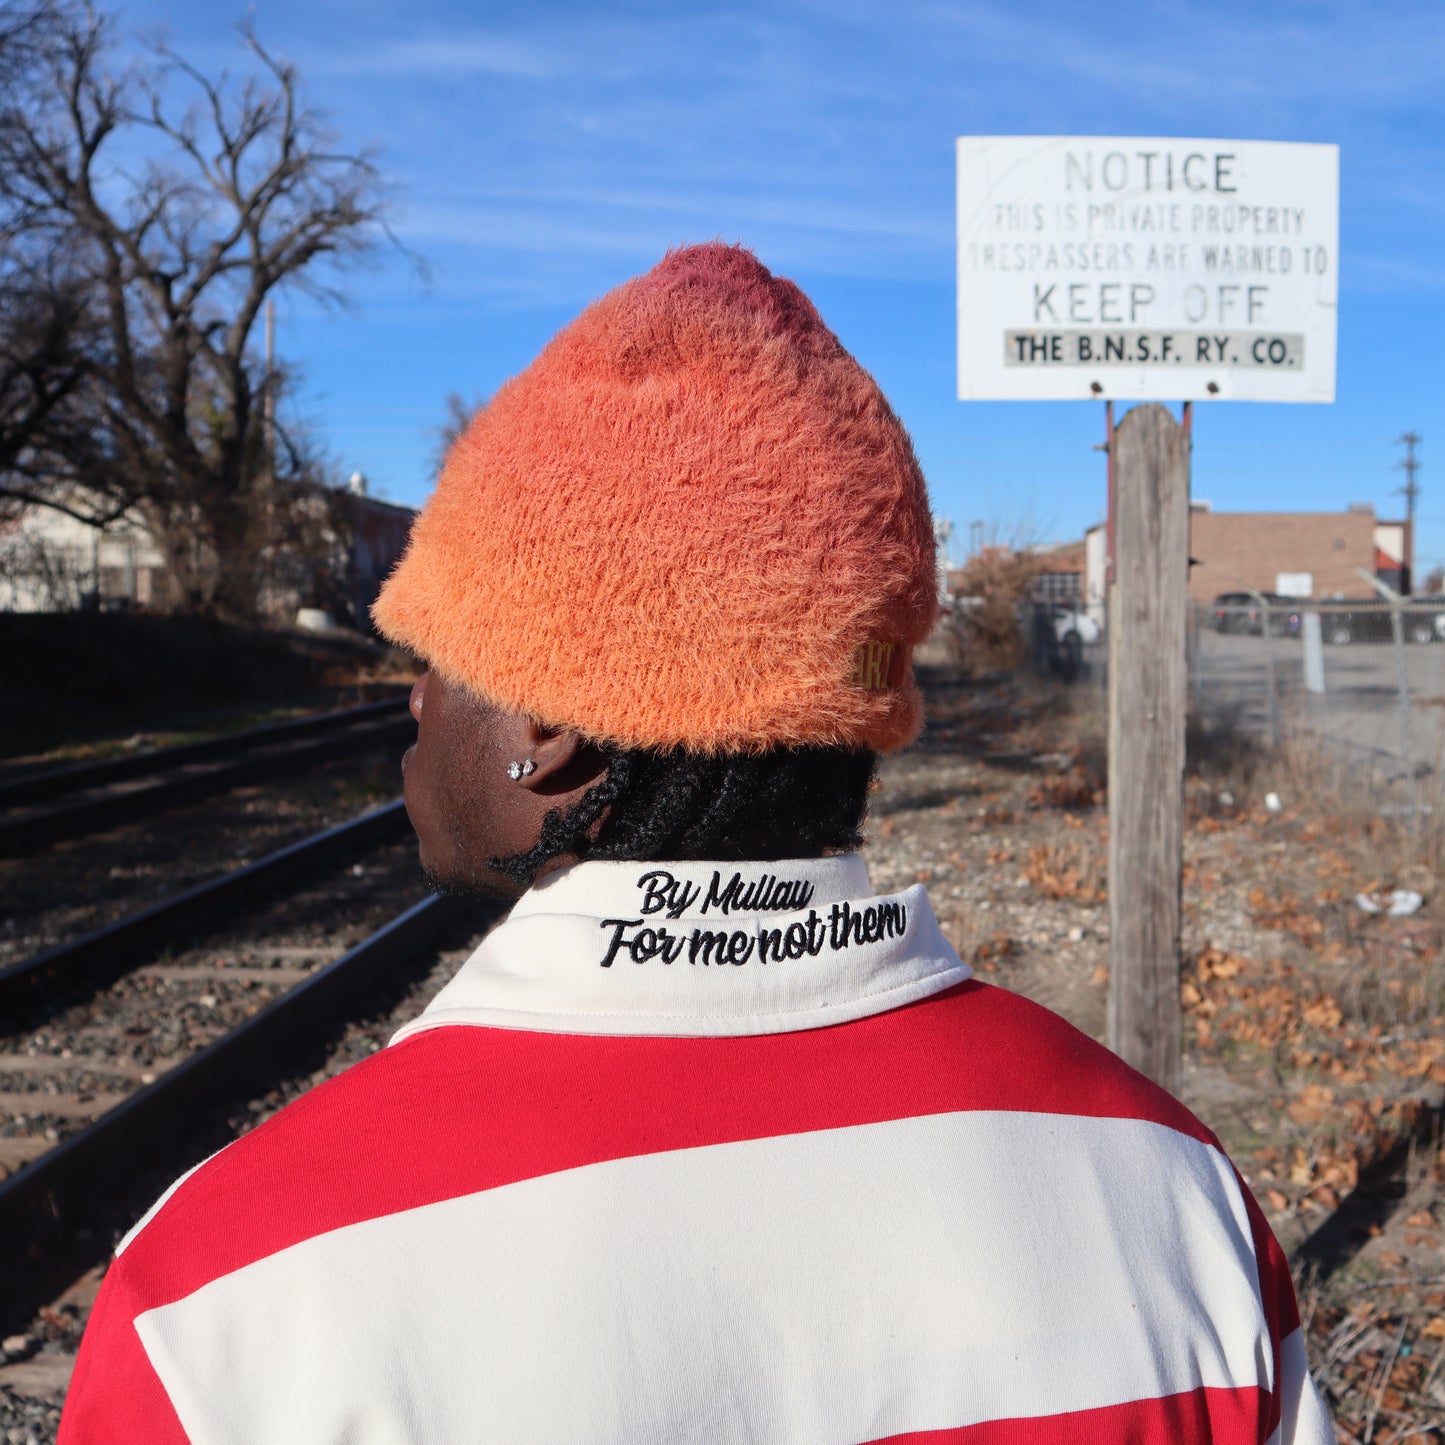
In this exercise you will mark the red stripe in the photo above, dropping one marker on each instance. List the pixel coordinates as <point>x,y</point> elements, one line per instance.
<point>1201,1417</point>
<point>114,1394</point>
<point>1276,1291</point>
<point>457,1110</point>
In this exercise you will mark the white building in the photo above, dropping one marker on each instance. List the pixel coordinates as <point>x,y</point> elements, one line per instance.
<point>52,562</point>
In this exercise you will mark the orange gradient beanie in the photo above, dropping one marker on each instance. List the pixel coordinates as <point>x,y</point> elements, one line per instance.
<point>693,522</point>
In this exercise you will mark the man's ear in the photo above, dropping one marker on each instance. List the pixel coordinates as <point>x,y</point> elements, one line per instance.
<point>565,761</point>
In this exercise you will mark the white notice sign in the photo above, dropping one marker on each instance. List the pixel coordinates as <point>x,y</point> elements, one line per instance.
<point>1166,269</point>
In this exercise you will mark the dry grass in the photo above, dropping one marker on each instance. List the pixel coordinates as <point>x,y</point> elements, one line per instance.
<point>993,584</point>
<point>1072,870</point>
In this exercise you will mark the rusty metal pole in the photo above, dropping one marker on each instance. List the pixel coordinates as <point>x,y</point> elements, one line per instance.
<point>1109,524</point>
<point>1108,450</point>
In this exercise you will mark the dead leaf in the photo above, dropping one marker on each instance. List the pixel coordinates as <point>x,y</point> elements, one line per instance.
<point>1064,871</point>
<point>1215,963</point>
<point>1312,1104</point>
<point>1324,1013</point>
<point>986,955</point>
<point>1340,1170</point>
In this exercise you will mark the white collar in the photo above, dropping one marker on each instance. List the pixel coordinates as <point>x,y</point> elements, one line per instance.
<point>700,950</point>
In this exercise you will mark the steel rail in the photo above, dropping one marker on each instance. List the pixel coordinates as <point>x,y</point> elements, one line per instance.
<point>26,830</point>
<point>45,980</point>
<point>42,1203</point>
<point>75,777</point>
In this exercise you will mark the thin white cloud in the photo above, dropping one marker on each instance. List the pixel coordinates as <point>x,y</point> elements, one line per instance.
<point>449,57</point>
<point>1275,56</point>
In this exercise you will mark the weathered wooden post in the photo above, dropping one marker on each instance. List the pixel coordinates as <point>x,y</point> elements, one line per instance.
<point>1148,617</point>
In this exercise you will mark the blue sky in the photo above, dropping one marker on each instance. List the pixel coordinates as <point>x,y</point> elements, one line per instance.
<point>541,153</point>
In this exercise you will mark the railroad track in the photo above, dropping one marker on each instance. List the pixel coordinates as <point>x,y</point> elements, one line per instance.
<point>46,980</point>
<point>117,1088</point>
<point>42,808</point>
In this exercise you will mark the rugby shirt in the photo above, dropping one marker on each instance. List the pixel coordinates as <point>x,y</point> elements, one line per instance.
<point>696,1152</point>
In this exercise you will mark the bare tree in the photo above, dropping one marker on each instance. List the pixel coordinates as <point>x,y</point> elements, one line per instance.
<point>178,223</point>
<point>45,361</point>
<point>459,415</point>
<point>48,336</point>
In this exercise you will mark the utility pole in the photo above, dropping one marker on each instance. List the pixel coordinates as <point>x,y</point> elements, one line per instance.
<point>1409,464</point>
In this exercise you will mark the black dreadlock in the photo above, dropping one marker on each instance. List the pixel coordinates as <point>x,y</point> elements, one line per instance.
<point>656,806</point>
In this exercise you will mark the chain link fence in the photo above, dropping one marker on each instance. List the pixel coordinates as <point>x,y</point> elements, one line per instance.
<point>1350,695</point>
<point>1360,685</point>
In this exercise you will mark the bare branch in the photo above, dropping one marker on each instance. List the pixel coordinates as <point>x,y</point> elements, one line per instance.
<point>158,397</point>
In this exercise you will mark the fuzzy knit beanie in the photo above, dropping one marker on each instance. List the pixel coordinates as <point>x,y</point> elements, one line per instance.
<point>693,522</point>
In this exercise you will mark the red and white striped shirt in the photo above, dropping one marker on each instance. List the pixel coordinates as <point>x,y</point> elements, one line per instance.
<point>690,1152</point>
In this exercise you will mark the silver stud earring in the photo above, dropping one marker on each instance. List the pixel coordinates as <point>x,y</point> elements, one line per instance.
<point>517,771</point>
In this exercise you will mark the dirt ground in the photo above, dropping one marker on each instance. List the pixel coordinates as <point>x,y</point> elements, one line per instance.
<point>1313,1038</point>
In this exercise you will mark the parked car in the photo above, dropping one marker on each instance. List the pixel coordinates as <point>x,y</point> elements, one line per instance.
<point>1424,621</point>
<point>1235,612</point>
<point>1342,625</point>
<point>1072,630</point>
<point>1068,620</point>
<point>1242,612</point>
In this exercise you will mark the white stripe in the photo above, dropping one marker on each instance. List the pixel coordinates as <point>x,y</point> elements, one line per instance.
<point>819,1289</point>
<point>1303,1419</point>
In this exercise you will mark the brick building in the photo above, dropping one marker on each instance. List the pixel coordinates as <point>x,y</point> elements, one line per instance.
<point>1059,573</point>
<point>1231,550</point>
<point>1316,554</point>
